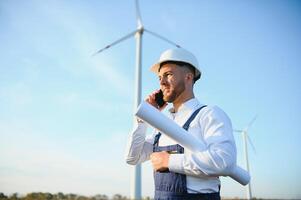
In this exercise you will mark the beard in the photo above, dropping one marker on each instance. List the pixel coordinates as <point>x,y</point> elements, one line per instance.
<point>174,91</point>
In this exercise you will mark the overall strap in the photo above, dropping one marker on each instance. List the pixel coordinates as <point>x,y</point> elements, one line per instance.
<point>185,126</point>
<point>191,118</point>
<point>157,137</point>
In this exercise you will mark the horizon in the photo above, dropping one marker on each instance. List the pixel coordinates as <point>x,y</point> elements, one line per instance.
<point>117,194</point>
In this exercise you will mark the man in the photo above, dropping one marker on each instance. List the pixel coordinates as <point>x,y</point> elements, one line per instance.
<point>178,172</point>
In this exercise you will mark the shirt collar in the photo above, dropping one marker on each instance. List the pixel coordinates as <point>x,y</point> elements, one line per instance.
<point>187,106</point>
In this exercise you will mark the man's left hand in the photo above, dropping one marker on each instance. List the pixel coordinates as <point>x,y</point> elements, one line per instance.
<point>160,160</point>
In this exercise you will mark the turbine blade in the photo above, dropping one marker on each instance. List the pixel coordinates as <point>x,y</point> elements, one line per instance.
<point>138,15</point>
<point>250,141</point>
<point>250,124</point>
<point>162,38</point>
<point>238,131</point>
<point>116,42</point>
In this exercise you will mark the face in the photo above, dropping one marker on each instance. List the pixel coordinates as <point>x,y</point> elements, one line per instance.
<point>172,81</point>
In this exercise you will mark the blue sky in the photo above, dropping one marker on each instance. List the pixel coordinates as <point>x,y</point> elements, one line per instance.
<point>65,116</point>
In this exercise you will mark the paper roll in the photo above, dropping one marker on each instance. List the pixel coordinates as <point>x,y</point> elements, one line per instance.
<point>159,121</point>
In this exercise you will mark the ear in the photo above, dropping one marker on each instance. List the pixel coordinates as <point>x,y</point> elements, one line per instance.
<point>189,76</point>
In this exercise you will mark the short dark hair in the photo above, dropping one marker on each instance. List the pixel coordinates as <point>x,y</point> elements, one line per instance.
<point>182,64</point>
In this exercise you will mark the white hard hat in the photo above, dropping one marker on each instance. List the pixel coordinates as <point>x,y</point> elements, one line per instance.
<point>179,55</point>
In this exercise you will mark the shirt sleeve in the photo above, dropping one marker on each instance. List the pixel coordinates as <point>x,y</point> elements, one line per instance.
<point>139,147</point>
<point>219,155</point>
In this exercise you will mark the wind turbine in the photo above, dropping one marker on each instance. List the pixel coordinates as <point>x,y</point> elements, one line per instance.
<point>245,142</point>
<point>136,184</point>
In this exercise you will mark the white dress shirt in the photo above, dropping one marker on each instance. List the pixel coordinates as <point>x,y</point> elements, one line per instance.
<point>211,126</point>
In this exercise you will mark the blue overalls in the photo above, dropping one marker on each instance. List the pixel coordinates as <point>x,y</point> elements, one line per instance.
<point>171,185</point>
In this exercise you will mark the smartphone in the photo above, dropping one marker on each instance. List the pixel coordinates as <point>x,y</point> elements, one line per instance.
<point>159,99</point>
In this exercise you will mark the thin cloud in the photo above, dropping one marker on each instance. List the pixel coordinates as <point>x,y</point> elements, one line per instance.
<point>51,165</point>
<point>84,42</point>
<point>18,94</point>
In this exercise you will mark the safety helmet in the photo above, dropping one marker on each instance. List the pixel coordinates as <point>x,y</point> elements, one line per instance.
<point>178,55</point>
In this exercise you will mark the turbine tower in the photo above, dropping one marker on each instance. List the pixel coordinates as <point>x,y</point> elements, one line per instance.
<point>136,179</point>
<point>246,138</point>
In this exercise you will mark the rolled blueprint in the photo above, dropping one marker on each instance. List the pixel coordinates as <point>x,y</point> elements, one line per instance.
<point>159,121</point>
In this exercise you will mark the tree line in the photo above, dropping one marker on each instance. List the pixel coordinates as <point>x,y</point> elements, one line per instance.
<point>61,196</point>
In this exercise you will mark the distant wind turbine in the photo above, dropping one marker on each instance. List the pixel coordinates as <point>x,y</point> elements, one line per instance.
<point>136,187</point>
<point>246,138</point>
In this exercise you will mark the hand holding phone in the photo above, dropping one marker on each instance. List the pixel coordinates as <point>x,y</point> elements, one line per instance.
<point>159,99</point>
<point>156,99</point>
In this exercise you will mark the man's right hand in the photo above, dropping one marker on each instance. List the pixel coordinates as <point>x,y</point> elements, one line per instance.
<point>151,100</point>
